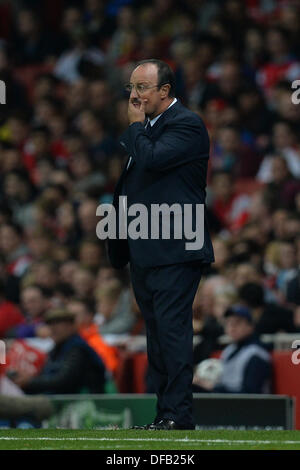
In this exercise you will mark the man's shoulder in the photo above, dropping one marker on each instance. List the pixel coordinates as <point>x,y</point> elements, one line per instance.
<point>271,309</point>
<point>179,113</point>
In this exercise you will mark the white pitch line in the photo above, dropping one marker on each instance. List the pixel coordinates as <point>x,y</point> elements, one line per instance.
<point>187,441</point>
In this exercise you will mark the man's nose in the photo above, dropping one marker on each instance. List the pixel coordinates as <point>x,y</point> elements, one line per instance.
<point>133,93</point>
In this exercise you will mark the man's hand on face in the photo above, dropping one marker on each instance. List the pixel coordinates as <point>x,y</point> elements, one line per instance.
<point>136,110</point>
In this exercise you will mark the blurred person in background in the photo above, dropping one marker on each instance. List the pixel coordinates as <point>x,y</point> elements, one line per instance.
<point>113,169</point>
<point>68,67</point>
<point>76,97</point>
<point>279,225</point>
<point>32,42</point>
<point>292,228</point>
<point>254,117</point>
<point>293,286</point>
<point>100,99</point>
<point>68,232</point>
<point>245,272</point>
<point>10,315</point>
<point>14,249</point>
<point>37,148</point>
<point>285,143</point>
<point>17,129</point>
<point>284,107</point>
<point>260,211</point>
<point>230,208</point>
<point>91,254</point>
<point>105,274</point>
<point>84,316</point>
<point>40,243</point>
<point>247,366</point>
<point>72,365</point>
<point>71,19</point>
<point>11,284</point>
<point>10,157</point>
<point>44,273</point>
<point>100,143</point>
<point>114,308</point>
<point>230,82</point>
<point>212,298</point>
<point>83,282</point>
<point>87,179</point>
<point>18,194</point>
<point>212,325</point>
<point>222,255</point>
<point>99,26</point>
<point>287,267</point>
<point>121,118</point>
<point>62,294</point>
<point>231,154</point>
<point>67,270</point>
<point>35,301</point>
<point>87,217</point>
<point>268,317</point>
<point>47,205</point>
<point>123,44</point>
<point>41,174</point>
<point>283,187</point>
<point>281,62</point>
<point>45,86</point>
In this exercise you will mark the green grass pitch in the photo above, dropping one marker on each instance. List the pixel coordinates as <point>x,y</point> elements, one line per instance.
<point>63,439</point>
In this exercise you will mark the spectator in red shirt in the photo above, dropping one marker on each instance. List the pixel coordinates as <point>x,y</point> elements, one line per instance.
<point>281,64</point>
<point>14,251</point>
<point>10,314</point>
<point>230,208</point>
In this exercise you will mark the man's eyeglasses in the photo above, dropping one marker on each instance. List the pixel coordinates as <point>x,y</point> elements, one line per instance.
<point>140,87</point>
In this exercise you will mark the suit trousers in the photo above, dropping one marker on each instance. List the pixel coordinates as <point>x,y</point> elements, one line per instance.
<point>165,295</point>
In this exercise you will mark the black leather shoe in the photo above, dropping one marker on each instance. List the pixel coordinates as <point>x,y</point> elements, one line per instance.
<point>170,425</point>
<point>144,427</point>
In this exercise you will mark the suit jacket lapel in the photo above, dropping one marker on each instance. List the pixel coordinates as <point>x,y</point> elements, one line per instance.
<point>130,161</point>
<point>153,131</point>
<point>165,116</point>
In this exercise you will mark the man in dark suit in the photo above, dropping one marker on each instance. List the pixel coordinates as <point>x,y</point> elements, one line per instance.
<point>168,148</point>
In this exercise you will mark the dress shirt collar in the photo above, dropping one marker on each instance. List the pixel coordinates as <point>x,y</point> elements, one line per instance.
<point>153,121</point>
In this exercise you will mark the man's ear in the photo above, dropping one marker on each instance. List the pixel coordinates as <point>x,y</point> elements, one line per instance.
<point>165,90</point>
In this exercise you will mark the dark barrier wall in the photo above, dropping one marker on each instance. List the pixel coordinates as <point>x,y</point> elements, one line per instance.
<point>123,411</point>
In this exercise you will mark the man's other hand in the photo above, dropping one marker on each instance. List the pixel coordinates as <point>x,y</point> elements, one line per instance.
<point>136,110</point>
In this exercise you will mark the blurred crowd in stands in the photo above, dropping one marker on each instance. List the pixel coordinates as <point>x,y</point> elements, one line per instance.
<point>65,64</point>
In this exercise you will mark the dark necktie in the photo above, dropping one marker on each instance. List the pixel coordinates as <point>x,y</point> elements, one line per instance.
<point>148,127</point>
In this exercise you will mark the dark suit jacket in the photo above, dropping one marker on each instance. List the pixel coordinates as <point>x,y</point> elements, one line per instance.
<point>168,165</point>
